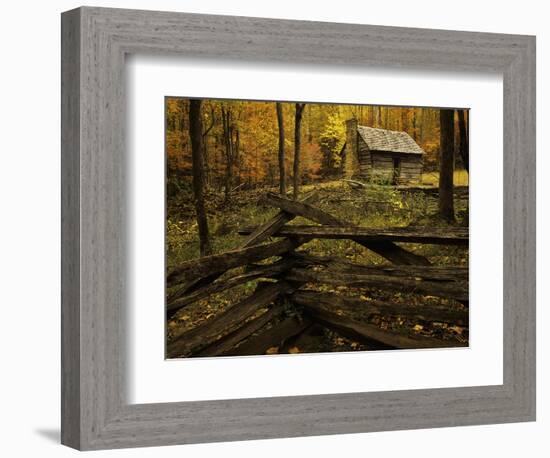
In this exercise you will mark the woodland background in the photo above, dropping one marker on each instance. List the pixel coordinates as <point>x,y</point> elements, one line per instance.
<point>241,139</point>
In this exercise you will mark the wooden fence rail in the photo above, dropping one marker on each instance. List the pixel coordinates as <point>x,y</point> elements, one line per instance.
<point>178,300</point>
<point>451,236</point>
<point>333,301</point>
<point>261,234</point>
<point>280,309</point>
<point>387,249</point>
<point>378,279</point>
<point>211,331</point>
<point>220,263</point>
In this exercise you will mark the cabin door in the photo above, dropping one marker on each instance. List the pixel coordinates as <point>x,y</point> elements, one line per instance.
<point>396,170</point>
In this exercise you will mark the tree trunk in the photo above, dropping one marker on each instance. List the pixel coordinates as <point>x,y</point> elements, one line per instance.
<point>197,151</point>
<point>297,145</point>
<point>228,142</point>
<point>206,160</point>
<point>414,125</point>
<point>282,170</point>
<point>446,165</point>
<point>464,147</point>
<point>236,151</point>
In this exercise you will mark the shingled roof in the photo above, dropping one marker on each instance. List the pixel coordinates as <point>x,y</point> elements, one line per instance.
<point>389,140</point>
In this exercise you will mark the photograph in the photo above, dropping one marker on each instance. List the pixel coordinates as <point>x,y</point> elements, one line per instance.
<point>297,227</point>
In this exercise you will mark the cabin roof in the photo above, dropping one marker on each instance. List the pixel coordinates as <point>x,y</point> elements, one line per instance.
<point>389,140</point>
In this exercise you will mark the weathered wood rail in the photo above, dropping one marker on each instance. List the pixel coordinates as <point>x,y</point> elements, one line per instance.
<point>457,290</point>
<point>385,248</point>
<point>452,236</point>
<point>261,234</point>
<point>331,301</point>
<point>280,309</point>
<point>220,263</point>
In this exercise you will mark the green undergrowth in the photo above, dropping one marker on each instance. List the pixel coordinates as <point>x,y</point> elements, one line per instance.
<point>373,207</point>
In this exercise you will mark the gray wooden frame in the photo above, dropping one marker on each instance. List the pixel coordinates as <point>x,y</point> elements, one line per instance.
<point>95,413</point>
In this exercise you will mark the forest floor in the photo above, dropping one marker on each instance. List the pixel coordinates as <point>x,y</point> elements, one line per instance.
<point>373,207</point>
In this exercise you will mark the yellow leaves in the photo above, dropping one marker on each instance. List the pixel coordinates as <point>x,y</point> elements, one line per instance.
<point>339,341</point>
<point>459,330</point>
<point>418,327</point>
<point>275,350</point>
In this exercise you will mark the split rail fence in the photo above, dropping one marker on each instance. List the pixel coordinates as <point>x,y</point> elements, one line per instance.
<point>262,320</point>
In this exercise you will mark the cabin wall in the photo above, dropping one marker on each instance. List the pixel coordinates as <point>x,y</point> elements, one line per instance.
<point>411,170</point>
<point>382,167</point>
<point>410,167</point>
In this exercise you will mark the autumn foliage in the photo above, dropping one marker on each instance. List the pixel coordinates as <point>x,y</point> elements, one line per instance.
<point>255,123</point>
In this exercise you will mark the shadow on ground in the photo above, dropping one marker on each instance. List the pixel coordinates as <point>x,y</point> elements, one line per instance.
<point>53,435</point>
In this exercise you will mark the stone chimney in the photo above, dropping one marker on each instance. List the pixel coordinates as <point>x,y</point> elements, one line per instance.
<point>351,167</point>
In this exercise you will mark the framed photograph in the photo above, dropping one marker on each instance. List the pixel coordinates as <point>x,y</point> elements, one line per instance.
<point>278,228</point>
<point>327,287</point>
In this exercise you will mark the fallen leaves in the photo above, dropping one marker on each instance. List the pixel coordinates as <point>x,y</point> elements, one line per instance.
<point>458,329</point>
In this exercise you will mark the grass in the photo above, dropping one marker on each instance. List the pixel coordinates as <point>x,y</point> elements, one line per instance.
<point>460,178</point>
<point>375,206</point>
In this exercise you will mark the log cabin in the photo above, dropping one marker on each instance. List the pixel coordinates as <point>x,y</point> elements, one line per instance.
<point>381,155</point>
